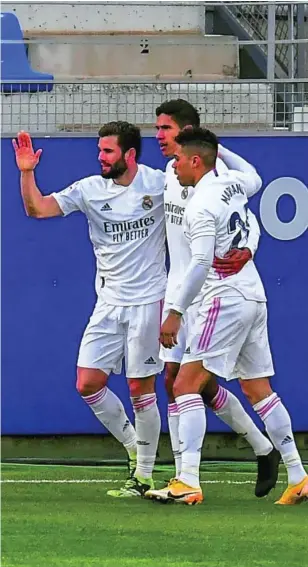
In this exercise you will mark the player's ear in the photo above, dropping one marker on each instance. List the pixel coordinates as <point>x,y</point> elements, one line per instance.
<point>195,161</point>
<point>130,155</point>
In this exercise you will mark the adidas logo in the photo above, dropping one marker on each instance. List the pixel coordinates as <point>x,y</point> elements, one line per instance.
<point>106,207</point>
<point>187,351</point>
<point>150,361</point>
<point>287,440</point>
<point>126,424</point>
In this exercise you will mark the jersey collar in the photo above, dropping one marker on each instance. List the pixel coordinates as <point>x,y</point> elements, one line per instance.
<point>207,178</point>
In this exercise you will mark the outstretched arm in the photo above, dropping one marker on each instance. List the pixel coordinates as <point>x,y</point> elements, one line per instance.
<point>36,204</point>
<point>253,181</point>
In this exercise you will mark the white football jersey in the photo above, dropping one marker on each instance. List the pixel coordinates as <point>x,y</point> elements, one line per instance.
<point>218,208</point>
<point>127,230</point>
<point>176,199</point>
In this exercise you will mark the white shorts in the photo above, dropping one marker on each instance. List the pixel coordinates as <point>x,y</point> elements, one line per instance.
<point>116,332</point>
<point>176,353</point>
<point>230,336</point>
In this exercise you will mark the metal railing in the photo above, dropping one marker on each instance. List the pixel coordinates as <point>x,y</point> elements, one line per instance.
<point>276,21</point>
<point>82,106</point>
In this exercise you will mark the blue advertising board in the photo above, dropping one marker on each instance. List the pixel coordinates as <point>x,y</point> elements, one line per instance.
<point>48,285</point>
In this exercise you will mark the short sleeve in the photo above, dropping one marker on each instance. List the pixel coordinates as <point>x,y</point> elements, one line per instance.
<point>71,198</point>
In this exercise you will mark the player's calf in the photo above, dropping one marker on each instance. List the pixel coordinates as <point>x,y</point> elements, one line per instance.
<point>107,408</point>
<point>147,424</point>
<point>278,426</point>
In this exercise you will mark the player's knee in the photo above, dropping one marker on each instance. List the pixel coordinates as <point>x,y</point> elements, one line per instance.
<point>141,386</point>
<point>134,388</point>
<point>90,381</point>
<point>191,379</point>
<point>209,391</point>
<point>256,390</point>
<point>182,384</point>
<point>172,370</point>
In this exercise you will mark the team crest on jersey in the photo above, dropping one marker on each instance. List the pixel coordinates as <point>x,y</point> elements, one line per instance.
<point>147,203</point>
<point>184,193</point>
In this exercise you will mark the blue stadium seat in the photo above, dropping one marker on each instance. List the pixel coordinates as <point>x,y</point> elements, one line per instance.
<point>14,61</point>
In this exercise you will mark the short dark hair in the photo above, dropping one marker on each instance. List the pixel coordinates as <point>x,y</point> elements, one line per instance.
<point>129,135</point>
<point>200,139</point>
<point>181,111</point>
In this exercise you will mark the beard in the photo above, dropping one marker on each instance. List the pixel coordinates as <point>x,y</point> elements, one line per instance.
<point>116,170</point>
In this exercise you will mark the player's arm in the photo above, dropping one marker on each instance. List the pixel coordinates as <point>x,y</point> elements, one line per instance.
<point>253,234</point>
<point>36,204</point>
<point>250,177</point>
<point>202,232</point>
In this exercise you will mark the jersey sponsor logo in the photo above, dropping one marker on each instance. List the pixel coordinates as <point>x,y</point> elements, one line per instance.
<point>129,230</point>
<point>229,192</point>
<point>106,207</point>
<point>174,213</point>
<point>184,193</point>
<point>150,360</point>
<point>147,203</point>
<point>175,209</point>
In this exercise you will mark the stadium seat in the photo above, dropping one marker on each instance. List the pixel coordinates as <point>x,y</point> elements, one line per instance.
<point>14,61</point>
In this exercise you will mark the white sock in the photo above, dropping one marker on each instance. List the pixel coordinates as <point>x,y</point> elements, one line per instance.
<point>192,428</point>
<point>147,424</point>
<point>173,423</point>
<point>109,410</point>
<point>278,426</point>
<point>230,410</point>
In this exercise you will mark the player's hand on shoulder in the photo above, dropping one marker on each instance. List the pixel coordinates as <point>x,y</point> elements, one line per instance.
<point>26,158</point>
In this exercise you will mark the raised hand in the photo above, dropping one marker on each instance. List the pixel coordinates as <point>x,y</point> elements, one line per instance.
<point>26,158</point>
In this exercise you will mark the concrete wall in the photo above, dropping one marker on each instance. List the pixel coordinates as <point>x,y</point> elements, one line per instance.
<point>105,18</point>
<point>194,56</point>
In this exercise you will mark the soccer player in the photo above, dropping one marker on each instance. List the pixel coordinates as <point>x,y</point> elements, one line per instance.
<point>172,116</point>
<point>124,208</point>
<point>229,335</point>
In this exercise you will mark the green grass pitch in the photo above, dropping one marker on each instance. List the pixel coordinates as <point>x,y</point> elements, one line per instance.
<point>62,517</point>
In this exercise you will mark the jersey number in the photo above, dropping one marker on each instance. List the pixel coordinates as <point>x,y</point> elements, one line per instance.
<point>239,228</point>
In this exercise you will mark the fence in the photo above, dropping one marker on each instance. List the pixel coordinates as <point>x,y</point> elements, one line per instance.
<point>275,27</point>
<point>82,106</point>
